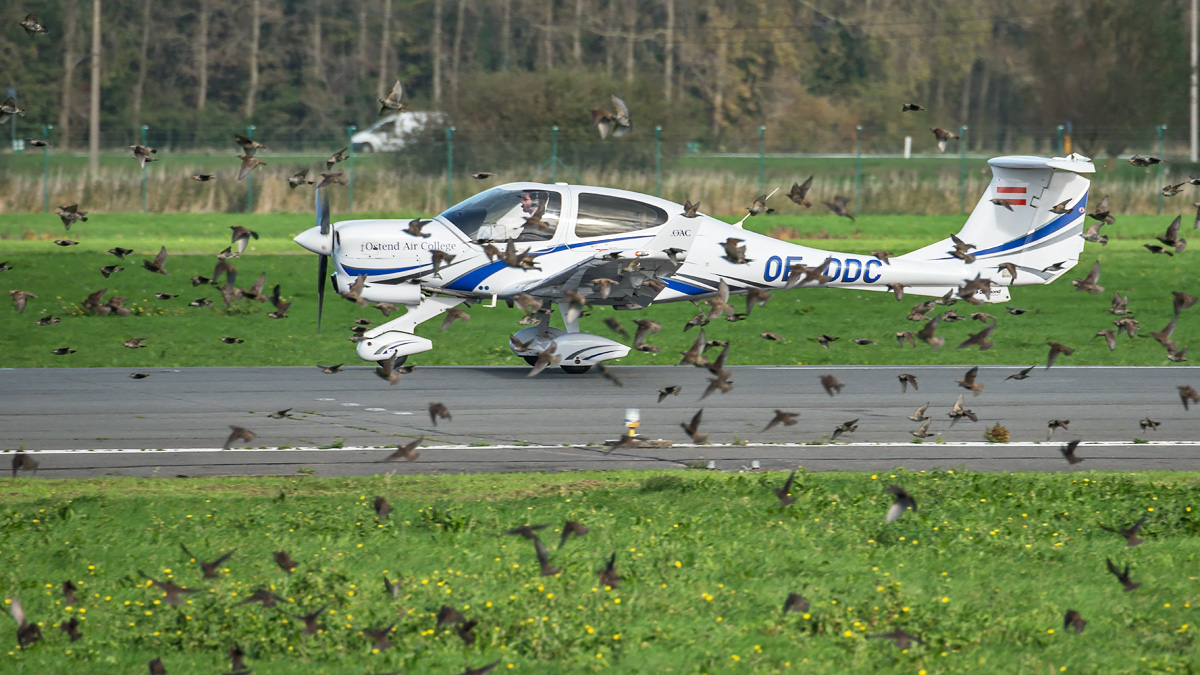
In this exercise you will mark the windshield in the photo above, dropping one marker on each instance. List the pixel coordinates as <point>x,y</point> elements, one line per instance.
<point>499,214</point>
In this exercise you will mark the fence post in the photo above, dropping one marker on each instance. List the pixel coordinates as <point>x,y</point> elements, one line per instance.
<point>761,160</point>
<point>350,129</point>
<point>554,154</point>
<point>1162,132</point>
<point>658,161</point>
<point>250,177</point>
<point>857,169</point>
<point>1059,143</point>
<point>962,168</point>
<point>449,167</point>
<point>46,168</point>
<point>145,142</point>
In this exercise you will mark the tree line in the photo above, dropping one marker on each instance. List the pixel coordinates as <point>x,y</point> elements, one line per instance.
<point>708,71</point>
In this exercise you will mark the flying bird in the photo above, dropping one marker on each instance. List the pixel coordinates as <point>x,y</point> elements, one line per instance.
<point>795,603</point>
<point>799,192</point>
<point>284,561</point>
<point>923,431</point>
<point>787,419</point>
<point>546,358</point>
<point>902,639</point>
<point>311,627</point>
<point>249,145</point>
<point>28,632</point>
<point>1068,452</point>
<point>171,589</point>
<point>785,493</point>
<point>1056,424</point>
<point>572,527</point>
<point>31,25</point>
<point>1122,575</point>
<point>692,428</point>
<point>543,557</point>
<point>831,385</point>
<point>249,163</point>
<point>844,428</point>
<point>614,124</point>
<point>436,411</point>
<point>900,504</point>
<point>209,569</point>
<point>339,156</point>
<point>298,179</point>
<point>840,206</point>
<point>382,508</point>
<point>406,451</point>
<point>1130,533</point>
<point>672,390</point>
<point>968,382</point>
<point>239,434</point>
<point>1072,619</point>
<point>1057,348</point>
<point>943,136</point>
<point>1188,393</point>
<point>907,379</point>
<point>608,576</point>
<point>392,102</point>
<point>142,154</point>
<point>380,636</point>
<point>919,415</point>
<point>158,265</point>
<point>911,107</point>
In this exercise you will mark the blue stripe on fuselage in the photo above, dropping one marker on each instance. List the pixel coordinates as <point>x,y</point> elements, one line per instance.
<point>1038,234</point>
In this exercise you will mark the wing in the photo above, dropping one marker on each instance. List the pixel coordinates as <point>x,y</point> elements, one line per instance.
<point>161,258</point>
<point>622,111</point>
<point>397,91</point>
<point>543,556</point>
<point>632,287</point>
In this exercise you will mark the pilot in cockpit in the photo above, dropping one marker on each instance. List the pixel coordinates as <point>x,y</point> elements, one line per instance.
<point>523,222</point>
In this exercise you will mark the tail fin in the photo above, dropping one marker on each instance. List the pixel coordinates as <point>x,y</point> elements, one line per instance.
<point>1042,244</point>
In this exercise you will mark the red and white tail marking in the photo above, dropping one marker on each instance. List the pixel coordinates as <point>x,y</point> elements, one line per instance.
<point>1012,193</point>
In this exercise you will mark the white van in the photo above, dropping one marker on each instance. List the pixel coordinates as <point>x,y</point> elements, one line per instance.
<point>388,134</point>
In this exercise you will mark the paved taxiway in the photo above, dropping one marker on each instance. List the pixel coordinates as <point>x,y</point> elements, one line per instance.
<point>95,422</point>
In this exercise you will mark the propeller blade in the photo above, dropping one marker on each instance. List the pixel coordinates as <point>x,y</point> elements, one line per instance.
<point>322,213</point>
<point>323,264</point>
<point>322,277</point>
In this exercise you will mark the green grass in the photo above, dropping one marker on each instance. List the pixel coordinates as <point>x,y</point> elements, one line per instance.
<point>983,572</point>
<point>179,335</point>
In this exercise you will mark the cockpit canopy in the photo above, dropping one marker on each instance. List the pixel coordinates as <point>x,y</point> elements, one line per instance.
<point>536,213</point>
<point>500,214</point>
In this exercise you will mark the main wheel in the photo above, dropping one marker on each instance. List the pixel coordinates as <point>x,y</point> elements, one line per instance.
<point>576,370</point>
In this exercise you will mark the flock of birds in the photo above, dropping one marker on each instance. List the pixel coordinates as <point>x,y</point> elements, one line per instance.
<point>379,637</point>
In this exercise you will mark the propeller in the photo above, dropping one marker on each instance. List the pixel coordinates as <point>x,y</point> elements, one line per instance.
<point>323,261</point>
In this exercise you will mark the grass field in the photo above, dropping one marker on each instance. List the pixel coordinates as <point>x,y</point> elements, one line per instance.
<point>983,572</point>
<point>179,335</point>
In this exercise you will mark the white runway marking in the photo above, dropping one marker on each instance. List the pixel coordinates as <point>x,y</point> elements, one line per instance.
<point>965,444</point>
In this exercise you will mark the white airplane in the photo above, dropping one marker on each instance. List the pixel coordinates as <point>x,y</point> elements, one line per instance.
<point>573,236</point>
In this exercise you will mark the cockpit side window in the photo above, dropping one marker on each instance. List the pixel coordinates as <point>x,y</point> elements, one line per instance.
<point>501,215</point>
<point>601,215</point>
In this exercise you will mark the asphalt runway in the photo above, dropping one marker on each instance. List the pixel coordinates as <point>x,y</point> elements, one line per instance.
<point>97,422</point>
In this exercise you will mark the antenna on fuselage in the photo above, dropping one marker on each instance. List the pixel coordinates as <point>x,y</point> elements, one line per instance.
<point>743,220</point>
